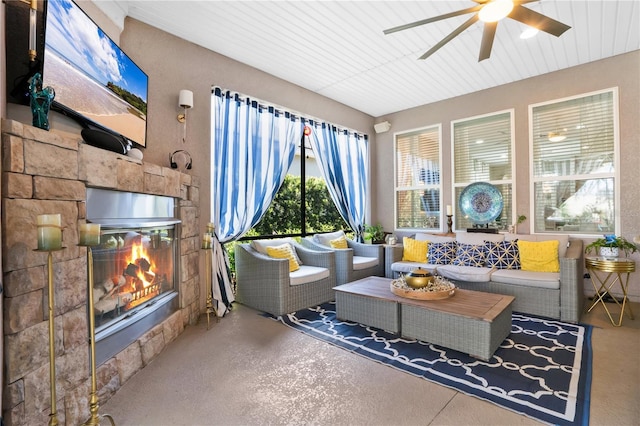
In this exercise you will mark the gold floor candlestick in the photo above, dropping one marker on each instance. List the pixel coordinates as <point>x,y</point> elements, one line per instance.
<point>94,420</point>
<point>53,417</point>
<point>208,283</point>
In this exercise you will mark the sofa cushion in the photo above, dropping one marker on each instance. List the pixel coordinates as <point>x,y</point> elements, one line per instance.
<point>470,255</point>
<point>503,254</point>
<point>550,280</point>
<point>465,273</point>
<point>562,238</point>
<point>413,250</point>
<point>284,251</point>
<point>477,237</point>
<point>442,253</point>
<point>364,262</point>
<point>339,243</point>
<point>421,236</point>
<point>325,239</point>
<point>406,267</point>
<point>539,256</point>
<point>307,274</point>
<point>261,246</point>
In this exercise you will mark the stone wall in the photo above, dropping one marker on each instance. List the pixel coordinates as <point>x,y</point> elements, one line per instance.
<point>48,172</point>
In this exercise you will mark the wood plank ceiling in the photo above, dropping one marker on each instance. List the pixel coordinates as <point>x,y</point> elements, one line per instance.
<point>337,48</point>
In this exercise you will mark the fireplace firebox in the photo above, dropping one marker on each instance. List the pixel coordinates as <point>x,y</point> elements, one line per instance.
<point>135,266</point>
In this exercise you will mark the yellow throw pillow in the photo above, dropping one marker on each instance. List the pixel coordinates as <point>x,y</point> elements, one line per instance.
<point>539,256</point>
<point>285,251</point>
<point>414,251</point>
<point>339,243</point>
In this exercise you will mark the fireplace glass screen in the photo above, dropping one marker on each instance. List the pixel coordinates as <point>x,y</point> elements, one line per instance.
<point>132,268</point>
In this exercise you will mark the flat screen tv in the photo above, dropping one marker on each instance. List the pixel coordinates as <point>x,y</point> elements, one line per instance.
<point>95,82</point>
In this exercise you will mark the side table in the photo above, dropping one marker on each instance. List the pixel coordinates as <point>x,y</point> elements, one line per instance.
<point>602,284</point>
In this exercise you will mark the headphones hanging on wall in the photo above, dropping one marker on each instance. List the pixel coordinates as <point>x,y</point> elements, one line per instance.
<point>185,154</point>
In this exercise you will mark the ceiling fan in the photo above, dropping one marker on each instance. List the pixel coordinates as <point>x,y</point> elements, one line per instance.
<point>490,12</point>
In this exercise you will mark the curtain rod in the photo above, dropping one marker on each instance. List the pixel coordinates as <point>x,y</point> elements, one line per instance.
<point>281,109</point>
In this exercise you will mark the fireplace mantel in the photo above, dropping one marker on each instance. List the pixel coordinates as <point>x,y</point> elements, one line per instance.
<point>49,172</point>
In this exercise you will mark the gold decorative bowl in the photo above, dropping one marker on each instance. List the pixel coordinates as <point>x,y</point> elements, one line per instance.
<point>418,278</point>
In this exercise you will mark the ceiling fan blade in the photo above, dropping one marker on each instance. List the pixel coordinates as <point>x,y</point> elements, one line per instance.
<point>488,35</point>
<point>434,19</point>
<point>451,36</point>
<point>538,20</point>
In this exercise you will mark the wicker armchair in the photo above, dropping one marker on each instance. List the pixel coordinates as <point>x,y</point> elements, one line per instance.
<point>265,283</point>
<point>356,262</point>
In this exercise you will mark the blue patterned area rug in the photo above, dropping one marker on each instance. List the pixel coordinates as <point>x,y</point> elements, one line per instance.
<point>542,369</point>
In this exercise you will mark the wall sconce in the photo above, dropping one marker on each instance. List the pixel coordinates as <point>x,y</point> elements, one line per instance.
<point>185,100</point>
<point>556,137</point>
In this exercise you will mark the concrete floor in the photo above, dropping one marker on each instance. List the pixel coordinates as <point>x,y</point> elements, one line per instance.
<point>249,370</point>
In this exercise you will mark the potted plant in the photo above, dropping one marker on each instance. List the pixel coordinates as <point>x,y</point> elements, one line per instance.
<point>375,233</point>
<point>514,228</point>
<point>610,245</point>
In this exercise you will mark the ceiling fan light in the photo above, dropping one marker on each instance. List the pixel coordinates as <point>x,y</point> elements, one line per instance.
<point>528,33</point>
<point>495,10</point>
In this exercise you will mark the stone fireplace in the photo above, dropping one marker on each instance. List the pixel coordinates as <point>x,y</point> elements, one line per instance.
<point>52,172</point>
<point>135,272</point>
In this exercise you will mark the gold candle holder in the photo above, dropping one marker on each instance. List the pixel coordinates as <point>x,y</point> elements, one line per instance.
<point>449,224</point>
<point>53,416</point>
<point>208,283</point>
<point>95,418</point>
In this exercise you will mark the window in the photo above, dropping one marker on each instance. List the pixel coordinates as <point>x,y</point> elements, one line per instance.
<point>418,183</point>
<point>482,152</point>
<point>574,152</point>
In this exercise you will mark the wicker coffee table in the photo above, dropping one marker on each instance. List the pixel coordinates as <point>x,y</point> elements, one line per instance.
<point>472,322</point>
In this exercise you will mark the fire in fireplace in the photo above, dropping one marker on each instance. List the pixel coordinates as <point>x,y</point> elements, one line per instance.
<point>135,266</point>
<point>130,268</point>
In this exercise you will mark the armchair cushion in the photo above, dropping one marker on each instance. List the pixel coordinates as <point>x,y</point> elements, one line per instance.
<point>306,274</point>
<point>363,262</point>
<point>339,243</point>
<point>325,239</point>
<point>284,251</point>
<point>261,246</point>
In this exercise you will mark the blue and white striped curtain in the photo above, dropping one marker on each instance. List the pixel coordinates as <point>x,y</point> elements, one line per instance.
<point>343,157</point>
<point>252,149</point>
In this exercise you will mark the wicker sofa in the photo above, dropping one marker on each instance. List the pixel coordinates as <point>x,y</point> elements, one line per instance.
<point>266,283</point>
<point>558,295</point>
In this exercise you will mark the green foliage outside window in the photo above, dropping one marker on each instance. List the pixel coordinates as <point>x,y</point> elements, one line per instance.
<point>284,214</point>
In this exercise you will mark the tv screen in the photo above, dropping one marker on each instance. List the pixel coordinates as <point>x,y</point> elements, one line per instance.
<point>94,80</point>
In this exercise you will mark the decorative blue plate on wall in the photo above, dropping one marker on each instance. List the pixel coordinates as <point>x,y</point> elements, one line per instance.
<point>481,202</point>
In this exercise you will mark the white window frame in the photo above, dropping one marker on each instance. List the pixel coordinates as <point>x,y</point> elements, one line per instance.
<point>397,189</point>
<point>616,155</point>
<point>510,181</point>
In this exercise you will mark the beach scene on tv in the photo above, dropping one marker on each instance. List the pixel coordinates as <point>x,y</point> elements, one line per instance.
<point>91,75</point>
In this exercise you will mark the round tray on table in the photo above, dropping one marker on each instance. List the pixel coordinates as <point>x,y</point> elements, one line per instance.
<point>419,294</point>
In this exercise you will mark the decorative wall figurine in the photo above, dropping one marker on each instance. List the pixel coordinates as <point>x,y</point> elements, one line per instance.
<point>40,101</point>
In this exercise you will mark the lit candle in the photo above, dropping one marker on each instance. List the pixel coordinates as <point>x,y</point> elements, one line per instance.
<point>210,228</point>
<point>49,232</point>
<point>89,234</point>
<point>449,213</point>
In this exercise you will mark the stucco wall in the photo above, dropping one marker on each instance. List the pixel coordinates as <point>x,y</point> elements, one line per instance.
<point>620,71</point>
